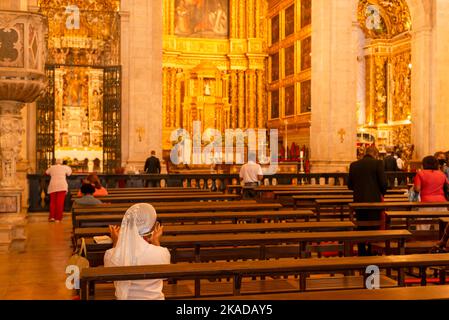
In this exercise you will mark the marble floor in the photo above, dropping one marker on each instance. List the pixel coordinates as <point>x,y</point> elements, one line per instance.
<point>39,272</point>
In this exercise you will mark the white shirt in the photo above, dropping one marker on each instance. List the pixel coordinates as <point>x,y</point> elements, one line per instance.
<point>58,181</point>
<point>400,163</point>
<point>250,171</point>
<point>145,289</point>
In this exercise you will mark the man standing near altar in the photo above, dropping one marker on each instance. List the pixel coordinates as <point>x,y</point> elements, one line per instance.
<point>251,174</point>
<point>152,166</point>
<point>368,181</point>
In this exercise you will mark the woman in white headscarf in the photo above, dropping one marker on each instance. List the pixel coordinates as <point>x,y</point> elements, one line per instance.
<point>137,243</point>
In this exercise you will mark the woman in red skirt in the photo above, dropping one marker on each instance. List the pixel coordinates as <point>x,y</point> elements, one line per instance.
<point>57,189</point>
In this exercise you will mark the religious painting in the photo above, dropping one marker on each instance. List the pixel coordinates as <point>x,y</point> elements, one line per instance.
<point>202,18</point>
<point>275,67</point>
<point>306,96</point>
<point>306,53</point>
<point>275,104</point>
<point>275,29</point>
<point>290,20</point>
<point>290,101</point>
<point>306,13</point>
<point>289,61</point>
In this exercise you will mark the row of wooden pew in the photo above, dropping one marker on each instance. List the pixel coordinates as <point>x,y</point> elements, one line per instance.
<point>238,231</point>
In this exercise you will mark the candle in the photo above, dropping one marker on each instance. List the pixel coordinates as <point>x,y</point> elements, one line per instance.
<point>301,154</point>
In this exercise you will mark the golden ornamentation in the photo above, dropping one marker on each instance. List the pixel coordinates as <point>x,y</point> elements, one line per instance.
<point>394,14</point>
<point>388,71</point>
<point>380,89</point>
<point>401,86</point>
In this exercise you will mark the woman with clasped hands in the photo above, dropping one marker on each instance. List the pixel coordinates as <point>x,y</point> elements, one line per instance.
<point>137,243</point>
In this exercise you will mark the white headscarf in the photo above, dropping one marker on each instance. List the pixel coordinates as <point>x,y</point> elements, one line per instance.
<point>138,220</point>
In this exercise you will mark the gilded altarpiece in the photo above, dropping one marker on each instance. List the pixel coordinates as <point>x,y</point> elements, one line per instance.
<point>214,65</point>
<point>387,26</point>
<point>83,41</point>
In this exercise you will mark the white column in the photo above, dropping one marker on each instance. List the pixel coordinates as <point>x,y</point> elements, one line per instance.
<point>439,126</point>
<point>142,80</point>
<point>334,87</point>
<point>421,91</point>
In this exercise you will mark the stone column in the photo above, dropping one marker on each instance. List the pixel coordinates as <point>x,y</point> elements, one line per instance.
<point>439,126</point>
<point>141,54</point>
<point>334,88</point>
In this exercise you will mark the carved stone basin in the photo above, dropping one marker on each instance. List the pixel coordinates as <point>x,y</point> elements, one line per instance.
<point>22,55</point>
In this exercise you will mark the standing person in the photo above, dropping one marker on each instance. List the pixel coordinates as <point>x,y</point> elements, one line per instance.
<point>137,243</point>
<point>251,174</point>
<point>367,180</point>
<point>442,162</point>
<point>152,166</point>
<point>429,183</point>
<point>57,189</point>
<point>400,162</point>
<point>391,163</point>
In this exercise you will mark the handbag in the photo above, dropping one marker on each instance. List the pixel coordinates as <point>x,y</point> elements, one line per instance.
<point>77,258</point>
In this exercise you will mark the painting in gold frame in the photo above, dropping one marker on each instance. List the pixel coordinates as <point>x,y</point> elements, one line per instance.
<point>306,96</point>
<point>289,61</point>
<point>275,67</point>
<point>202,18</point>
<point>290,20</point>
<point>306,13</point>
<point>275,29</point>
<point>306,51</point>
<point>275,104</point>
<point>290,101</point>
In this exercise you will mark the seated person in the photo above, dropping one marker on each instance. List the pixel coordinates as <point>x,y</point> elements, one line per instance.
<point>137,243</point>
<point>87,190</point>
<point>93,179</point>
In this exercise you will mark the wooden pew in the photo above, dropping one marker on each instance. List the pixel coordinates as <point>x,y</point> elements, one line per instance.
<point>342,203</point>
<point>388,205</point>
<point>232,228</point>
<point>407,293</point>
<point>210,196</point>
<point>174,243</point>
<point>411,215</point>
<point>238,270</point>
<point>212,217</point>
<point>146,190</point>
<point>308,199</point>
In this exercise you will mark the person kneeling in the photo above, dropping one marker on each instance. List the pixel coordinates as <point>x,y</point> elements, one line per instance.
<point>135,244</point>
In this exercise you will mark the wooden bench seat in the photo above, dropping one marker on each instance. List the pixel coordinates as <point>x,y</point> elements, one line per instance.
<point>238,270</point>
<point>233,228</point>
<point>409,293</point>
<point>169,198</point>
<point>185,289</point>
<point>199,242</point>
<point>110,219</point>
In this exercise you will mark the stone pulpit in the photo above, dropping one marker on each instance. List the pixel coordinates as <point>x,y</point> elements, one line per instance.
<point>22,79</point>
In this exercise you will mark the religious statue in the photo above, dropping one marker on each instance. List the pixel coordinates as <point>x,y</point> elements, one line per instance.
<point>207,91</point>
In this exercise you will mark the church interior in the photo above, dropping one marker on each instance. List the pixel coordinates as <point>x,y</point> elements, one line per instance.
<point>277,149</point>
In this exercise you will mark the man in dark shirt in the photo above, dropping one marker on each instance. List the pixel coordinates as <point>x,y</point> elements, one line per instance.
<point>152,166</point>
<point>391,163</point>
<point>367,180</point>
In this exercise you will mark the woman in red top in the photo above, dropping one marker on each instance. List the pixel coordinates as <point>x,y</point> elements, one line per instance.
<point>430,182</point>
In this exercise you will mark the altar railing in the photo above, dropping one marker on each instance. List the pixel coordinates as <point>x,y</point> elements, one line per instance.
<point>39,200</point>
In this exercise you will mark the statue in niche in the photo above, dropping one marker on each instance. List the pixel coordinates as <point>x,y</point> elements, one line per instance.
<point>207,88</point>
<point>76,88</point>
